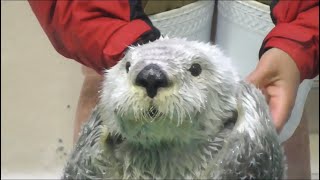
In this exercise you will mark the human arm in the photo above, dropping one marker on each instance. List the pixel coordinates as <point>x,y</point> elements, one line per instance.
<point>289,54</point>
<point>94,33</point>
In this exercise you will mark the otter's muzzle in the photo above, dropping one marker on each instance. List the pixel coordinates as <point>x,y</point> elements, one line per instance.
<point>152,78</point>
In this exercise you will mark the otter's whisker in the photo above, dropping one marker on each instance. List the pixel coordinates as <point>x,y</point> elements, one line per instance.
<point>178,115</point>
<point>188,114</point>
<point>171,111</point>
<point>145,116</point>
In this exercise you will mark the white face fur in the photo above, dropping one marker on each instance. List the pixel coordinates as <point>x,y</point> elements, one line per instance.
<point>190,106</point>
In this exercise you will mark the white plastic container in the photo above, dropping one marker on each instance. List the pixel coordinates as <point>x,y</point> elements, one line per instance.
<point>241,28</point>
<point>192,21</point>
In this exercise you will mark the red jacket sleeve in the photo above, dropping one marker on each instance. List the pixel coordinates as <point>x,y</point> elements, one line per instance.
<point>296,32</point>
<point>94,33</point>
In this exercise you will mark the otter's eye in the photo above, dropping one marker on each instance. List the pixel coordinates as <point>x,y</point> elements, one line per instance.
<point>128,66</point>
<point>195,69</point>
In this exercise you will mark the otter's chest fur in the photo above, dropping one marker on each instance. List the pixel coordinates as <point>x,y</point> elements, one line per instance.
<point>167,160</point>
<point>111,157</point>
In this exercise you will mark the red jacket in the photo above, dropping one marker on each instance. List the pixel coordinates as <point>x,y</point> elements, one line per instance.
<point>96,33</point>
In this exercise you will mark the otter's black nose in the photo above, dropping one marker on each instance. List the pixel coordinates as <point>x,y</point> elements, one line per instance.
<point>152,77</point>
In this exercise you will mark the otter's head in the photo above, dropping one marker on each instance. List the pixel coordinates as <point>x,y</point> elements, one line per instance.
<point>169,90</point>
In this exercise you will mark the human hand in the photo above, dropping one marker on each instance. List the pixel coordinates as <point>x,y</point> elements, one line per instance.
<point>278,78</point>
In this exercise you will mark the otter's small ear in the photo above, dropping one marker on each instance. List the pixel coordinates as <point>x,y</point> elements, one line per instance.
<point>235,114</point>
<point>128,66</point>
<point>232,119</point>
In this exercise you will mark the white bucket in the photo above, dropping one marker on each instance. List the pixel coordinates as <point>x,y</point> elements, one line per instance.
<point>241,28</point>
<point>192,21</point>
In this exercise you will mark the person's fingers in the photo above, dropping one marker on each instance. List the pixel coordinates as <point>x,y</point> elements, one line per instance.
<point>262,76</point>
<point>266,95</point>
<point>277,76</point>
<point>261,81</point>
<point>267,71</point>
<point>280,104</point>
<point>279,113</point>
<point>256,78</point>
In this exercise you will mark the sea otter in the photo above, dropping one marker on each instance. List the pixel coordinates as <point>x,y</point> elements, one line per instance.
<point>177,109</point>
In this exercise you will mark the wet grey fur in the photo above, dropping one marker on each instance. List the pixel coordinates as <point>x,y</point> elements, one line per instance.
<point>210,126</point>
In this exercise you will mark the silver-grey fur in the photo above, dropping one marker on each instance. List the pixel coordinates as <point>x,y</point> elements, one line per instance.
<point>210,126</point>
